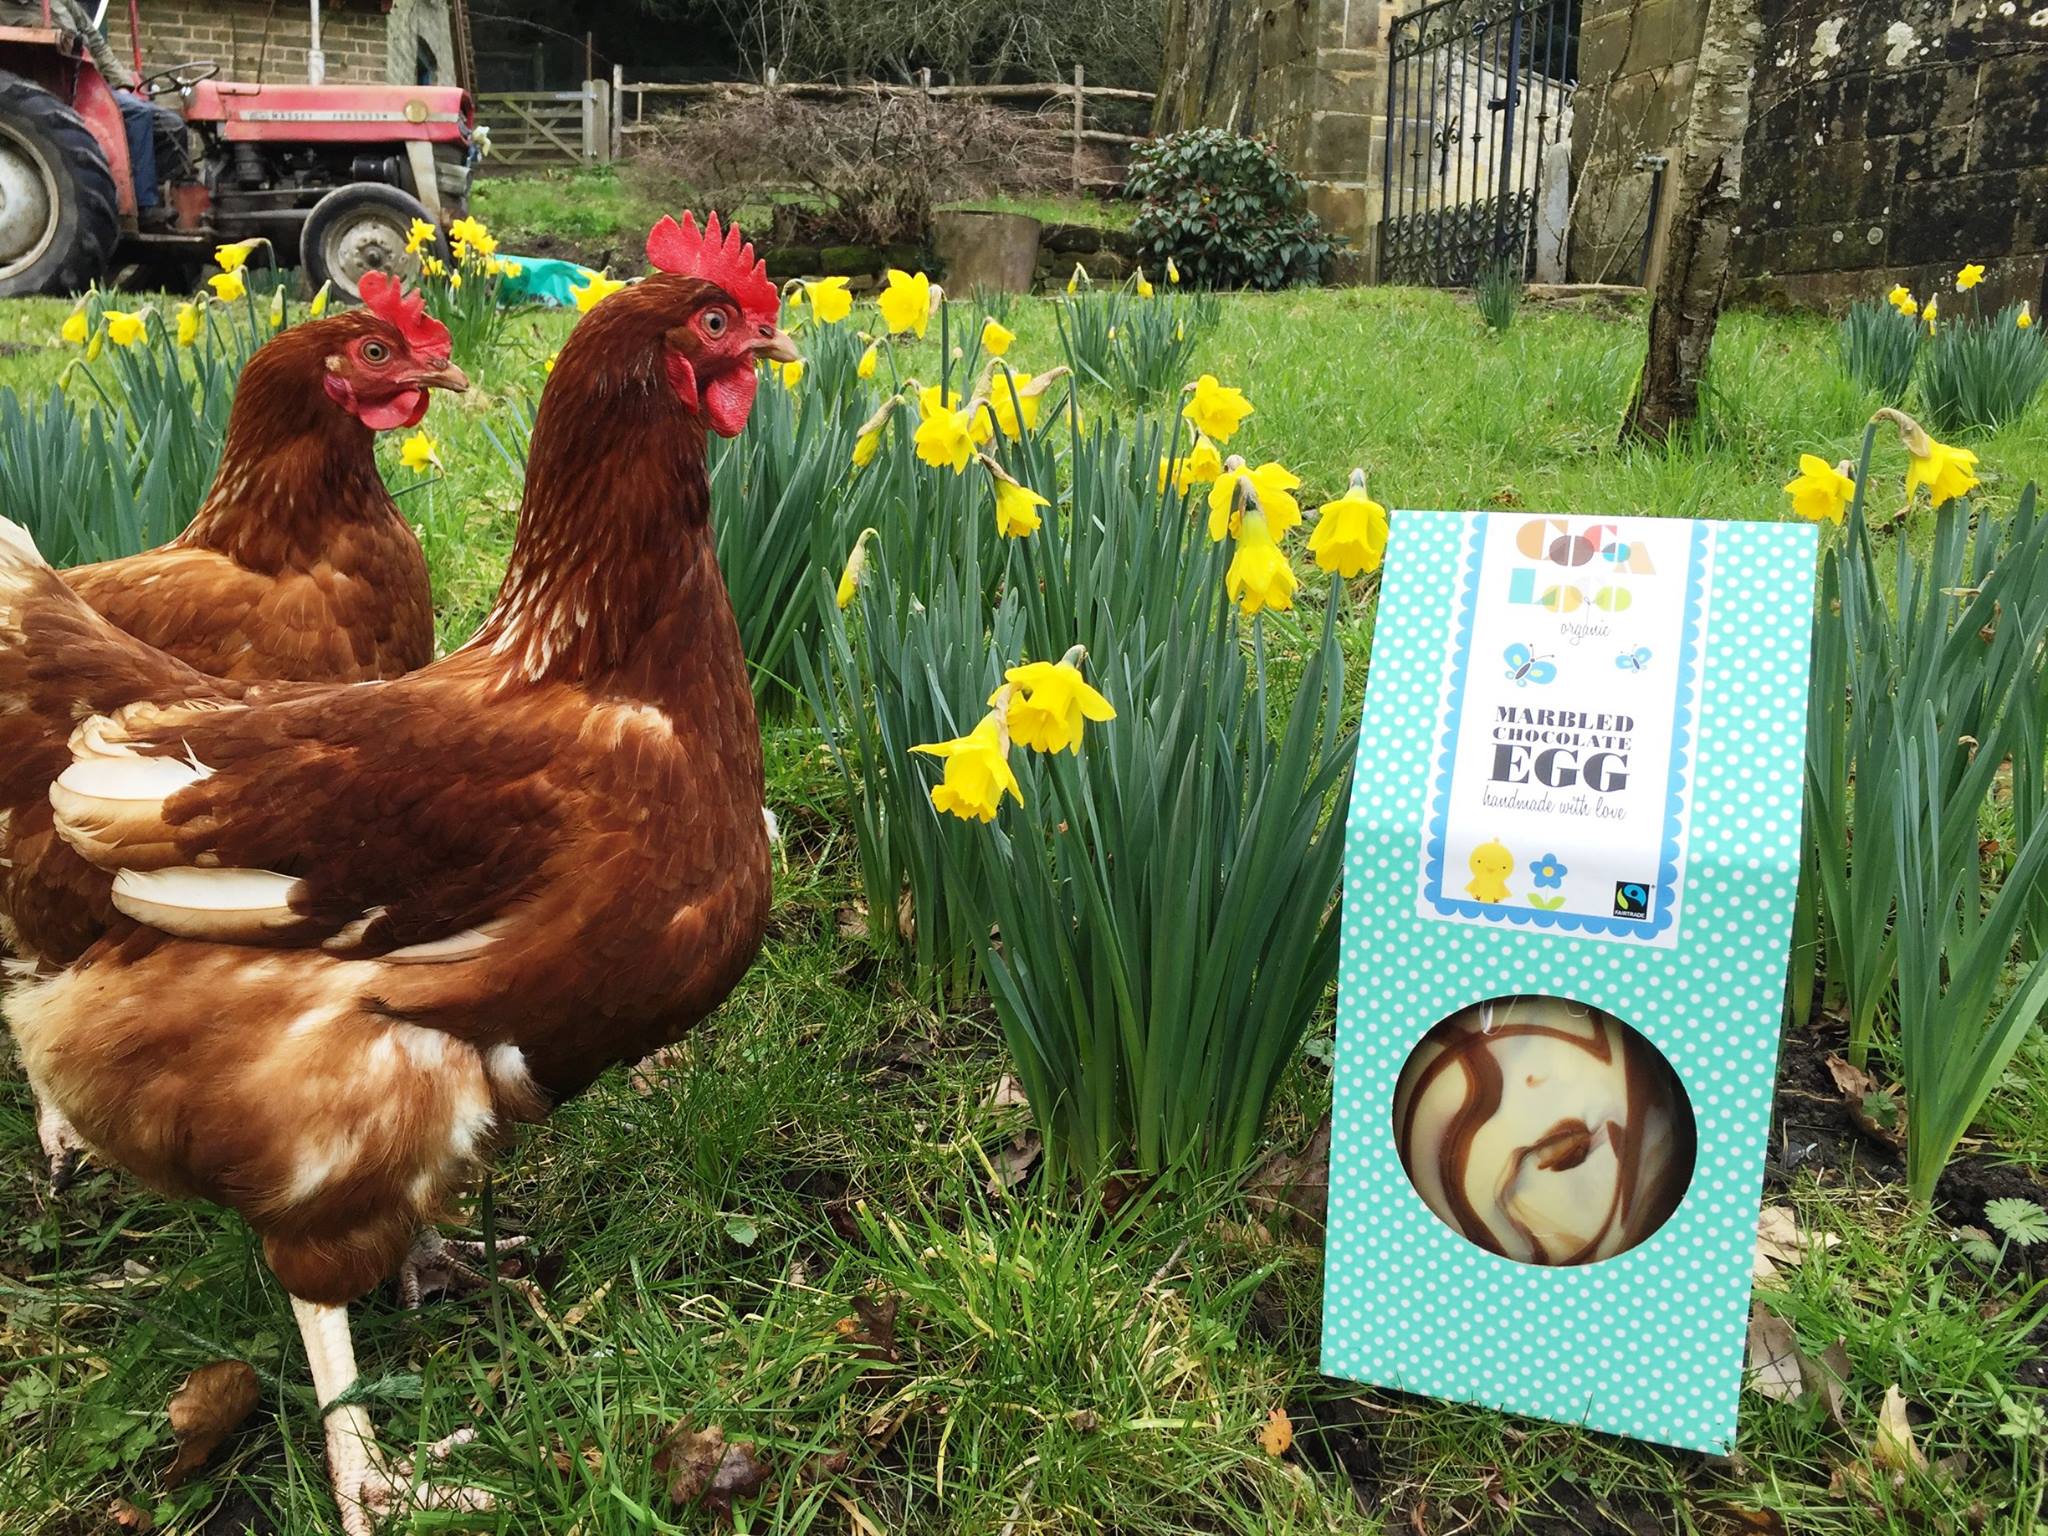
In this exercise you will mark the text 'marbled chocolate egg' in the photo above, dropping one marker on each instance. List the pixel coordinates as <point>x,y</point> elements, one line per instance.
<point>1544,1130</point>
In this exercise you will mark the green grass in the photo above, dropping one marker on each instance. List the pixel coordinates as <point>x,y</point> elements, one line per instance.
<point>830,1134</point>
<point>1097,213</point>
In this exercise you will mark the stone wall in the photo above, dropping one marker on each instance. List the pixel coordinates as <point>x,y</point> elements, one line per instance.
<point>1892,142</point>
<point>1889,141</point>
<point>256,41</point>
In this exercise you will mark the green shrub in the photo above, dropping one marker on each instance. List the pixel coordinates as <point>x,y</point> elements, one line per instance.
<point>1225,211</point>
<point>1879,345</point>
<point>1980,374</point>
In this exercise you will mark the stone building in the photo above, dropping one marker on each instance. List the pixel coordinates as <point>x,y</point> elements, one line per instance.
<point>401,41</point>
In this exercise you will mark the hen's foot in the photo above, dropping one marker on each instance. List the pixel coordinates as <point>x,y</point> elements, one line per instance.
<point>383,1491</point>
<point>446,1266</point>
<point>63,1147</point>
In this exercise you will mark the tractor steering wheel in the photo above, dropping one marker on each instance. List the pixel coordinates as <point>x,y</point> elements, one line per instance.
<point>179,77</point>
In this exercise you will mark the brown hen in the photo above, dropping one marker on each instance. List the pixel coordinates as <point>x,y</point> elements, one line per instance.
<point>368,927</point>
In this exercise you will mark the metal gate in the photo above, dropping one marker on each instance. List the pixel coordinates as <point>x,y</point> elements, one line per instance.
<point>1478,153</point>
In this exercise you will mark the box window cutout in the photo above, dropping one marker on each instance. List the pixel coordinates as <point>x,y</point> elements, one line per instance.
<point>1543,1130</point>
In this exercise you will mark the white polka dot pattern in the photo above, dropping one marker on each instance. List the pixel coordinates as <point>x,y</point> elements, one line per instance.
<point>1648,1343</point>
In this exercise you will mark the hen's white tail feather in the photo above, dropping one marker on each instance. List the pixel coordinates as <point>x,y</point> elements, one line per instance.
<point>16,543</point>
<point>225,906</point>
<point>111,809</point>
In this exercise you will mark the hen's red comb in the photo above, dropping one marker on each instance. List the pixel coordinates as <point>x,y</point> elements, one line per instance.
<point>724,259</point>
<point>385,297</point>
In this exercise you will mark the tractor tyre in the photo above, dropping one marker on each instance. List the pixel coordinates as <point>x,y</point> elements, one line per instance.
<point>59,219</point>
<point>358,229</point>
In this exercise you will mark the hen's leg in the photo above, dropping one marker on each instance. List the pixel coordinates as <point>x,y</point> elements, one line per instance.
<point>440,1265</point>
<point>62,1146</point>
<point>365,1486</point>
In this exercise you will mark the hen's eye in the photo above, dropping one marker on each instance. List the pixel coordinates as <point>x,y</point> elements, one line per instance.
<point>714,322</point>
<point>375,352</point>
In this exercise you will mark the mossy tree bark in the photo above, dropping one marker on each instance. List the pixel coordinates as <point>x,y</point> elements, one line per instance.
<point>1694,278</point>
<point>1211,65</point>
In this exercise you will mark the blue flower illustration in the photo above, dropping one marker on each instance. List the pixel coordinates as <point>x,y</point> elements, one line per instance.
<point>1549,870</point>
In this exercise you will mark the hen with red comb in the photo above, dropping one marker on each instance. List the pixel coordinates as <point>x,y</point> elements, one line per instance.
<point>724,259</point>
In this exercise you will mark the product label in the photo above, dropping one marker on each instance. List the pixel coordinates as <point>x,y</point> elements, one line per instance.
<point>1564,738</point>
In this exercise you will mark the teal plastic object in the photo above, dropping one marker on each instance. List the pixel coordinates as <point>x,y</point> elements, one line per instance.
<point>541,280</point>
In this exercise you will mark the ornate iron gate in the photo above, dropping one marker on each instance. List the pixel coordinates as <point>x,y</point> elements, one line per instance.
<point>1478,137</point>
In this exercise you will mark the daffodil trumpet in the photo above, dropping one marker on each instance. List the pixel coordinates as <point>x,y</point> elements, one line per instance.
<point>1947,471</point>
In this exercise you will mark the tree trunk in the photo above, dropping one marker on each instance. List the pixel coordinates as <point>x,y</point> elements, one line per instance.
<point>1212,60</point>
<point>1694,277</point>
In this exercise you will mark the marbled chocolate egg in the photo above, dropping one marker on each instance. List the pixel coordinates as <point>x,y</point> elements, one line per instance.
<point>1543,1130</point>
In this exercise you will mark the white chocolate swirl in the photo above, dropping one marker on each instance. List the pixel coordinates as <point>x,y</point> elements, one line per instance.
<point>1544,1131</point>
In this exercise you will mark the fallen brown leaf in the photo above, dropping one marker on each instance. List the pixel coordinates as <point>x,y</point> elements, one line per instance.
<point>1828,1374</point>
<point>1875,1108</point>
<point>1774,1362</point>
<point>1766,1522</point>
<point>205,1411</point>
<point>1276,1435</point>
<point>1780,1240</point>
<point>1013,1164</point>
<point>131,1517</point>
<point>1892,1447</point>
<point>872,1328</point>
<point>701,1468</point>
<point>1007,1092</point>
<point>1292,1189</point>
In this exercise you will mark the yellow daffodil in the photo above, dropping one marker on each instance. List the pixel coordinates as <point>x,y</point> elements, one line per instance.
<point>74,329</point>
<point>419,236</point>
<point>1216,411</point>
<point>2025,317</point>
<point>471,233</point>
<point>1946,472</point>
<point>865,368</point>
<point>866,446</point>
<point>188,324</point>
<point>906,302</point>
<point>433,266</point>
<point>510,269</point>
<point>1820,492</point>
<point>944,439</point>
<point>1200,465</point>
<point>276,308</point>
<point>1144,288</point>
<point>1051,703</point>
<point>978,772</point>
<point>1017,508</point>
<point>1274,485</point>
<point>1350,537</point>
<point>1928,314</point>
<point>996,337</point>
<point>418,451</point>
<point>1901,299</point>
<point>1259,576</point>
<point>856,566</point>
<point>1971,275</point>
<point>126,327</point>
<point>594,290</point>
<point>1074,279</point>
<point>1007,410</point>
<point>455,278</point>
<point>830,301</point>
<point>94,347</point>
<point>792,374</point>
<point>1172,272</point>
<point>232,258</point>
<point>319,305</point>
<point>228,286</point>
<point>549,365</point>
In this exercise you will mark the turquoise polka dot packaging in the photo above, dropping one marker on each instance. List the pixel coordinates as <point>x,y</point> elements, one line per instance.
<point>1569,874</point>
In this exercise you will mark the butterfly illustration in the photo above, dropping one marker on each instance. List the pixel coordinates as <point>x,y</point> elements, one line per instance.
<point>1637,660</point>
<point>1525,666</point>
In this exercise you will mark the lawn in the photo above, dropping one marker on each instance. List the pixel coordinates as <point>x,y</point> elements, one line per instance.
<point>833,1137</point>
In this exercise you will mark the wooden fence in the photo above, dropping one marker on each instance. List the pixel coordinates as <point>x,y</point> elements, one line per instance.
<point>535,129</point>
<point>628,121</point>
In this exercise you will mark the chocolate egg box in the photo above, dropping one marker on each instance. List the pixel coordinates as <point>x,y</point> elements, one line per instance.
<point>1570,865</point>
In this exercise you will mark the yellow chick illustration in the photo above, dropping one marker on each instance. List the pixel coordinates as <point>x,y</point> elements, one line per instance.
<point>1491,865</point>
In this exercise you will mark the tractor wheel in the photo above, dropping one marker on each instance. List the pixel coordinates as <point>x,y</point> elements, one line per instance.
<point>58,216</point>
<point>357,229</point>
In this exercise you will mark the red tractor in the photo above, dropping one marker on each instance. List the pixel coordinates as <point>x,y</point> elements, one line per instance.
<point>333,173</point>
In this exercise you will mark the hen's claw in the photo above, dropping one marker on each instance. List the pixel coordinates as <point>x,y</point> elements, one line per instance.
<point>63,1147</point>
<point>384,1491</point>
<point>446,1266</point>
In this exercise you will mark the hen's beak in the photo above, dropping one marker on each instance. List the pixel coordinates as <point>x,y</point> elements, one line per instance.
<point>447,376</point>
<point>778,348</point>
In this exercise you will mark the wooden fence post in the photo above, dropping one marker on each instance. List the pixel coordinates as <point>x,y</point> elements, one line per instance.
<point>1080,121</point>
<point>618,141</point>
